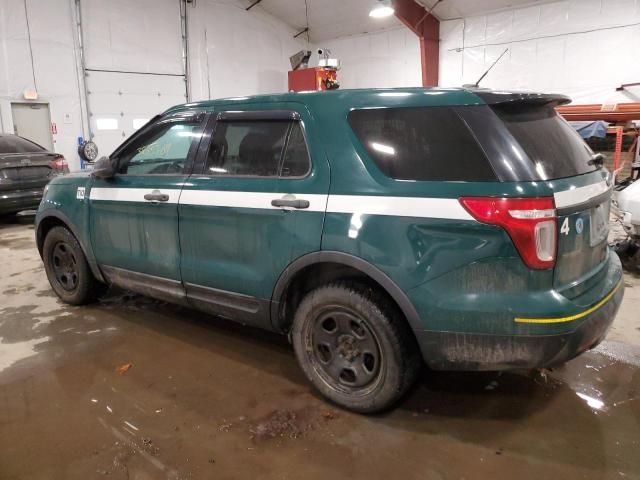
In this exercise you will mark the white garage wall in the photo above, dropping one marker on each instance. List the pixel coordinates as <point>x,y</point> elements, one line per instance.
<point>583,48</point>
<point>390,58</point>
<point>245,53</point>
<point>234,52</point>
<point>139,36</point>
<point>54,70</point>
<point>133,56</point>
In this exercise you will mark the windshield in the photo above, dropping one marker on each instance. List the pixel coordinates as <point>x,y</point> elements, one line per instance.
<point>554,147</point>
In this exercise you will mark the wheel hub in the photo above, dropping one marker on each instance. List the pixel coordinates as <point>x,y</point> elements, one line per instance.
<point>65,267</point>
<point>345,349</point>
<point>348,347</point>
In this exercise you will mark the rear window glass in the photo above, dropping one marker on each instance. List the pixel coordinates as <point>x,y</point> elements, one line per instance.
<point>14,144</point>
<point>421,143</point>
<point>554,147</point>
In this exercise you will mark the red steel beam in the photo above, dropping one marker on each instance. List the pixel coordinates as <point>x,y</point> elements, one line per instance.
<point>621,112</point>
<point>427,28</point>
<point>618,148</point>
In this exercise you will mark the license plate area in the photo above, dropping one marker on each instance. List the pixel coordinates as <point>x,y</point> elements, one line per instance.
<point>599,224</point>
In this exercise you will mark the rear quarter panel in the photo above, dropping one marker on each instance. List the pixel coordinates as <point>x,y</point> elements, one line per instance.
<point>461,275</point>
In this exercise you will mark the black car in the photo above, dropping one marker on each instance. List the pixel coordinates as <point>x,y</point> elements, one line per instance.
<point>25,169</point>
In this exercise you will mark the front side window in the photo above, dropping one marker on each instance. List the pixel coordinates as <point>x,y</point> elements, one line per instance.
<point>247,148</point>
<point>162,151</point>
<point>421,143</point>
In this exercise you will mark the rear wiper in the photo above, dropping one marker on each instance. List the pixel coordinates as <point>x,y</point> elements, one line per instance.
<point>597,159</point>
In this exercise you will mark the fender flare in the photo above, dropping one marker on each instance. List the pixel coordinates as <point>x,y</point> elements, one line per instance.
<point>396,293</point>
<point>88,252</point>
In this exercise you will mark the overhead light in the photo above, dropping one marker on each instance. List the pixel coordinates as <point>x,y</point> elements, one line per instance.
<point>30,94</point>
<point>384,8</point>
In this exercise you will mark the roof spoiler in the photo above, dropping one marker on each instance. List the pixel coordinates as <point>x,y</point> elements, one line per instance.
<point>494,97</point>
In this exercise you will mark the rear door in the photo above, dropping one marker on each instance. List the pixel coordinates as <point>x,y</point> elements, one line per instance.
<point>257,203</point>
<point>134,215</point>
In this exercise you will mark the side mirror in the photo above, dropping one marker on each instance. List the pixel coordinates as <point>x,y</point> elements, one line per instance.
<point>104,167</point>
<point>597,159</point>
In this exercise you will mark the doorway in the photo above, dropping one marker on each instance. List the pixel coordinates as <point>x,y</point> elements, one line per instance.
<point>33,121</point>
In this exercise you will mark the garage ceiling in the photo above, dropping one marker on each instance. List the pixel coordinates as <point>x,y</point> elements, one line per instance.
<point>336,18</point>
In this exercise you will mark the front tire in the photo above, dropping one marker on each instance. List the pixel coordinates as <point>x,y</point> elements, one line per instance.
<point>67,268</point>
<point>354,347</point>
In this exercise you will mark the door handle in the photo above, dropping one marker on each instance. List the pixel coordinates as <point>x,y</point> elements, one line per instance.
<point>156,196</point>
<point>289,201</point>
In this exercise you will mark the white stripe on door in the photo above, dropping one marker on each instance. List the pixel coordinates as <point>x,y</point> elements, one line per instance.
<point>220,198</point>
<point>116,194</point>
<point>421,207</point>
<point>448,208</point>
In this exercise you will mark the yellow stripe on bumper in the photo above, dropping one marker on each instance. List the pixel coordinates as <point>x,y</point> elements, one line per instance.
<point>571,318</point>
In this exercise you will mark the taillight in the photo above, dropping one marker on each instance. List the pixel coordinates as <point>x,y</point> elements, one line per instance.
<point>59,164</point>
<point>530,222</point>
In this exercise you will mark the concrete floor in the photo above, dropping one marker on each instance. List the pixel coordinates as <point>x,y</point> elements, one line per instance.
<point>203,398</point>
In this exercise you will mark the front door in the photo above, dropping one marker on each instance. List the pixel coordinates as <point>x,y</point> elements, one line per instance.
<point>134,216</point>
<point>257,204</point>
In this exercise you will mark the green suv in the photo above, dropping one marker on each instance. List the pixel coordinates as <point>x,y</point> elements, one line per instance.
<point>378,229</point>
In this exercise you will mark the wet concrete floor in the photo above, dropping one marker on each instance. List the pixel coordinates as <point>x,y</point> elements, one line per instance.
<point>131,388</point>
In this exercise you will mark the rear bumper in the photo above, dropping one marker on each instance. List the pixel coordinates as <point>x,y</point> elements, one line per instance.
<point>478,351</point>
<point>17,200</point>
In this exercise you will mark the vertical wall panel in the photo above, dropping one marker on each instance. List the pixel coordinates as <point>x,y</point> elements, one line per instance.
<point>245,53</point>
<point>475,30</point>
<point>525,23</point>
<point>52,44</point>
<point>390,58</point>
<point>553,19</point>
<point>582,48</point>
<point>499,27</point>
<point>141,35</point>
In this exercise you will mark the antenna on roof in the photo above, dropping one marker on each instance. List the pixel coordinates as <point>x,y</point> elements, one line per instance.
<point>477,84</point>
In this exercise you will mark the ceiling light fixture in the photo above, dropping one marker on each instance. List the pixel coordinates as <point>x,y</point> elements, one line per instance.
<point>384,8</point>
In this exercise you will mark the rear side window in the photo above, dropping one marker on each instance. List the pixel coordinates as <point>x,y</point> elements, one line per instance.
<point>421,143</point>
<point>247,148</point>
<point>14,144</point>
<point>554,147</point>
<point>296,158</point>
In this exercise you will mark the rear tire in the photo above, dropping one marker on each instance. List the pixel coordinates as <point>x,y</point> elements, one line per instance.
<point>354,347</point>
<point>67,268</point>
